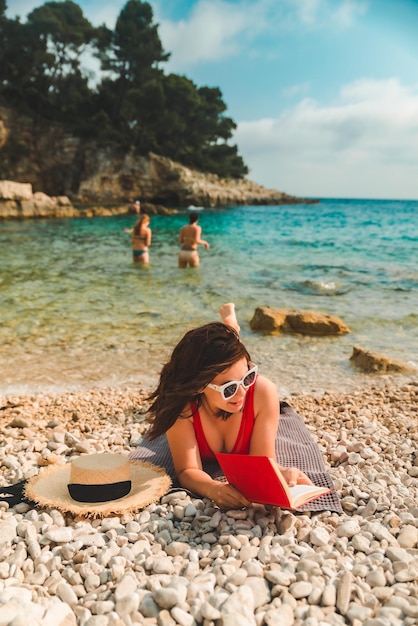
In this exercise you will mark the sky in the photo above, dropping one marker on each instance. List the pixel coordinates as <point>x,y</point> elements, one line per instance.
<point>324,92</point>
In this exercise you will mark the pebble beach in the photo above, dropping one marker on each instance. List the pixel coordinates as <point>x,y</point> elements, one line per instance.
<point>183,561</point>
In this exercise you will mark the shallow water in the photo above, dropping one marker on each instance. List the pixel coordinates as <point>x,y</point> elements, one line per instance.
<point>76,312</point>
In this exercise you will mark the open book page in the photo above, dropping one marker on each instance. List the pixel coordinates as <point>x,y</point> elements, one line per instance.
<point>260,480</point>
<point>301,494</point>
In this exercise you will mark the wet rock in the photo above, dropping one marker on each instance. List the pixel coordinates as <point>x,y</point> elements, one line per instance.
<point>372,362</point>
<point>313,323</point>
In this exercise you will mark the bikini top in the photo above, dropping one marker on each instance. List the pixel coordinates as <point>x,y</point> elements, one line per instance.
<point>140,238</point>
<point>242,443</point>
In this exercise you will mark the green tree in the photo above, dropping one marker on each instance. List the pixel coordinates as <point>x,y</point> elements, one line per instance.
<point>130,55</point>
<point>187,124</point>
<point>134,105</point>
<point>16,61</point>
<point>62,34</point>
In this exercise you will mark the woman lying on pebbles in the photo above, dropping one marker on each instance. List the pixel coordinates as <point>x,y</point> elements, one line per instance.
<point>185,561</point>
<point>210,399</point>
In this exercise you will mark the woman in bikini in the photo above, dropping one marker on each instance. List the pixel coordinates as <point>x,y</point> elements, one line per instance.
<point>189,238</point>
<point>210,398</point>
<point>141,239</point>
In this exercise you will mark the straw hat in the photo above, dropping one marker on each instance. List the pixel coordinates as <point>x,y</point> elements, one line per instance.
<point>99,485</point>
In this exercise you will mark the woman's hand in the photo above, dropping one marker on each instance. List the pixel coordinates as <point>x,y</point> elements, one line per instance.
<point>295,476</point>
<point>225,496</point>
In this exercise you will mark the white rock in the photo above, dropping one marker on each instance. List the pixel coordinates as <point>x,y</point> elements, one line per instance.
<point>209,612</point>
<point>348,529</point>
<point>181,617</point>
<point>148,606</point>
<point>282,616</point>
<point>66,593</point>
<point>126,586</point>
<point>357,612</point>
<point>60,535</point>
<point>406,575</point>
<point>260,589</point>
<point>360,543</point>
<point>241,603</point>
<point>300,589</point>
<point>8,612</point>
<point>59,614</point>
<point>398,554</point>
<point>163,565</point>
<point>166,597</point>
<point>176,548</point>
<point>8,530</point>
<point>128,604</point>
<point>344,591</point>
<point>329,595</point>
<point>408,537</point>
<point>319,536</point>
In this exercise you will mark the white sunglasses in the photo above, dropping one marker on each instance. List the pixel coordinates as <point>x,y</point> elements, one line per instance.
<point>228,390</point>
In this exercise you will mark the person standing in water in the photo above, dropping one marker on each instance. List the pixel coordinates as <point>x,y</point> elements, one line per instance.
<point>141,239</point>
<point>189,238</point>
<point>136,207</point>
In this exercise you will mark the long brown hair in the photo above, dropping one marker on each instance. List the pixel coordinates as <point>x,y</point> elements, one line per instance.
<point>140,223</point>
<point>200,355</point>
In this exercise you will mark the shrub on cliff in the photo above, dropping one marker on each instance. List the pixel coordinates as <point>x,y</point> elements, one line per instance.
<point>132,104</point>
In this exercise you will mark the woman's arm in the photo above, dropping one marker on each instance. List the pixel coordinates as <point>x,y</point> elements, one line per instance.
<point>199,238</point>
<point>148,237</point>
<point>188,467</point>
<point>204,243</point>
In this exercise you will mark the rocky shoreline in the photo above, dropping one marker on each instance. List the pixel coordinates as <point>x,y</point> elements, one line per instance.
<point>182,561</point>
<point>164,186</point>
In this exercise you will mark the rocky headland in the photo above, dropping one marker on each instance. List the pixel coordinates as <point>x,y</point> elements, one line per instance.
<point>160,180</point>
<point>162,185</point>
<point>18,201</point>
<point>63,174</point>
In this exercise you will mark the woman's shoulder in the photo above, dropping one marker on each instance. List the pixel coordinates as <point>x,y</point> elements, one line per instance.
<point>266,397</point>
<point>188,412</point>
<point>264,386</point>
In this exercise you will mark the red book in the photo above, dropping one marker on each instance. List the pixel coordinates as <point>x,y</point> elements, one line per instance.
<point>259,479</point>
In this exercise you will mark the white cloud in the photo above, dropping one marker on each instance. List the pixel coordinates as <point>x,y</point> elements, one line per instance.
<point>323,13</point>
<point>295,90</point>
<point>214,31</point>
<point>220,29</point>
<point>348,11</point>
<point>308,9</point>
<point>370,136</point>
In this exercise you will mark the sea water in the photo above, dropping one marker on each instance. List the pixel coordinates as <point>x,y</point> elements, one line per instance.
<point>77,313</point>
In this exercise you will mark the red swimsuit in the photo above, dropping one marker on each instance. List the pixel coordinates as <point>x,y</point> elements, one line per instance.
<point>242,443</point>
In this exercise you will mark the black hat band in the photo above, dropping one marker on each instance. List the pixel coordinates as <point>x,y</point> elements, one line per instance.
<point>99,493</point>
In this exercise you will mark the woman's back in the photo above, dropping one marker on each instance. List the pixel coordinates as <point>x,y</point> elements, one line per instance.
<point>141,239</point>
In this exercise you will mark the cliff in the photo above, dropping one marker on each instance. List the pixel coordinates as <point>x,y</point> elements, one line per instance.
<point>61,165</point>
<point>160,180</point>
<point>18,201</point>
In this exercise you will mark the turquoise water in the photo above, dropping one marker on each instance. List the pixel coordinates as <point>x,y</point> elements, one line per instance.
<point>76,312</point>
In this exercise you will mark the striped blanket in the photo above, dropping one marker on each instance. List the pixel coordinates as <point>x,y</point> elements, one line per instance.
<point>294,447</point>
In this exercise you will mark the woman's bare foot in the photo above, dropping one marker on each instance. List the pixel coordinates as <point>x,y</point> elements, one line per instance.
<point>227,313</point>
